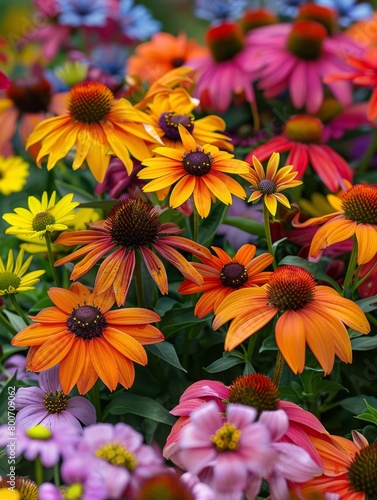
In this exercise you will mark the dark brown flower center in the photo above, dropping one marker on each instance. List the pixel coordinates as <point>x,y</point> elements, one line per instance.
<point>305,40</point>
<point>256,390</point>
<point>290,288</point>
<point>90,102</point>
<point>177,62</point>
<point>225,41</point>
<point>133,223</point>
<point>169,122</point>
<point>55,402</point>
<point>267,186</point>
<point>42,220</point>
<point>360,204</point>
<point>197,162</point>
<point>303,128</point>
<point>86,322</point>
<point>362,471</point>
<point>233,275</point>
<point>30,94</point>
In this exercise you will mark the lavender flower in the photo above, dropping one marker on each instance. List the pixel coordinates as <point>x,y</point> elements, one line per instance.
<point>47,405</point>
<point>349,11</point>
<point>83,12</point>
<point>16,364</point>
<point>136,21</point>
<point>220,10</point>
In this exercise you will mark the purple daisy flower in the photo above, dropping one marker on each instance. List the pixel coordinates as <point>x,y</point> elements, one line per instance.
<point>121,458</point>
<point>47,405</point>
<point>83,12</point>
<point>136,21</point>
<point>49,445</point>
<point>16,363</point>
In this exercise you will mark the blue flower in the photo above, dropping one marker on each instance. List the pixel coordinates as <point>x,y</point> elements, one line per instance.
<point>136,21</point>
<point>349,10</point>
<point>220,10</point>
<point>83,12</point>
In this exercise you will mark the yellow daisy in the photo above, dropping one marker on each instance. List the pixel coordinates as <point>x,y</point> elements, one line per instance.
<point>99,126</point>
<point>12,275</point>
<point>43,216</point>
<point>13,174</point>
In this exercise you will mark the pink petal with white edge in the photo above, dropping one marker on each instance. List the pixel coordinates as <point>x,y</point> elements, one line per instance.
<point>276,421</point>
<point>294,463</point>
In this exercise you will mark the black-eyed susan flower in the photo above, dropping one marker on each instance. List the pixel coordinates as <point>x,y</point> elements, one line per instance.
<point>13,277</point>
<point>356,215</point>
<point>45,215</point>
<point>131,226</point>
<point>223,274</point>
<point>269,184</point>
<point>98,126</point>
<point>306,313</point>
<point>87,339</point>
<point>193,170</point>
<point>14,172</point>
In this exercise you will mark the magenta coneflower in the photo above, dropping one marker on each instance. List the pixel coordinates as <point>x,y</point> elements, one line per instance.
<point>47,405</point>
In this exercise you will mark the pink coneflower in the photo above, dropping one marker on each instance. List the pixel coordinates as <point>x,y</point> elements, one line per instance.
<point>228,71</point>
<point>47,405</point>
<point>296,57</point>
<point>303,139</point>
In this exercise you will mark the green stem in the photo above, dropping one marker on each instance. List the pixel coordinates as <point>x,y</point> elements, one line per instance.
<point>351,266</point>
<point>250,347</point>
<point>51,258</point>
<point>5,323</point>
<point>366,159</point>
<point>278,370</point>
<point>95,399</point>
<point>196,225</point>
<point>18,308</point>
<point>267,228</point>
<point>57,475</point>
<point>139,282</point>
<point>38,471</point>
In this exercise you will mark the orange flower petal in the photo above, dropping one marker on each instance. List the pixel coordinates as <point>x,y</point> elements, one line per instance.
<point>335,231</point>
<point>245,299</point>
<point>88,376</point>
<point>103,361</point>
<point>290,338</point>
<point>52,352</point>
<point>156,269</point>
<point>126,345</point>
<point>366,235</point>
<point>131,316</point>
<point>72,365</point>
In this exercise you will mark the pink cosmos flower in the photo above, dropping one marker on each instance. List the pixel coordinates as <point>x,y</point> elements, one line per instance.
<point>227,72</point>
<point>47,405</point>
<point>302,423</point>
<point>297,57</point>
<point>304,139</point>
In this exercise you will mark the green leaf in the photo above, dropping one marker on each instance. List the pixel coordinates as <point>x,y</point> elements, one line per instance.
<point>105,205</point>
<point>246,224</point>
<point>166,352</point>
<point>314,268</point>
<point>356,404</point>
<point>209,225</point>
<point>141,406</point>
<point>177,319</point>
<point>80,194</point>
<point>369,304</point>
<point>268,344</point>
<point>227,361</point>
<point>364,343</point>
<point>15,320</point>
<point>7,409</point>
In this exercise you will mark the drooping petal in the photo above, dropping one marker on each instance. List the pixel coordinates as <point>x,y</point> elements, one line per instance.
<point>290,338</point>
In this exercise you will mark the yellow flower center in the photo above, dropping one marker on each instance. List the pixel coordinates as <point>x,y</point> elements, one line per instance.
<point>197,162</point>
<point>116,454</point>
<point>303,128</point>
<point>256,390</point>
<point>169,122</point>
<point>86,322</point>
<point>320,14</point>
<point>9,282</point>
<point>42,220</point>
<point>362,471</point>
<point>267,186</point>
<point>225,41</point>
<point>133,223</point>
<point>74,492</point>
<point>306,39</point>
<point>226,438</point>
<point>39,432</point>
<point>90,102</point>
<point>55,402</point>
<point>233,275</point>
<point>30,94</point>
<point>360,204</point>
<point>329,109</point>
<point>290,288</point>
<point>25,489</point>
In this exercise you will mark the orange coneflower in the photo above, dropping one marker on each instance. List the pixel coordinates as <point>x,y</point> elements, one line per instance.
<point>198,171</point>
<point>349,468</point>
<point>87,339</point>
<point>131,225</point>
<point>168,110</point>
<point>269,184</point>
<point>99,126</point>
<point>356,216</point>
<point>223,275</point>
<point>308,313</point>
